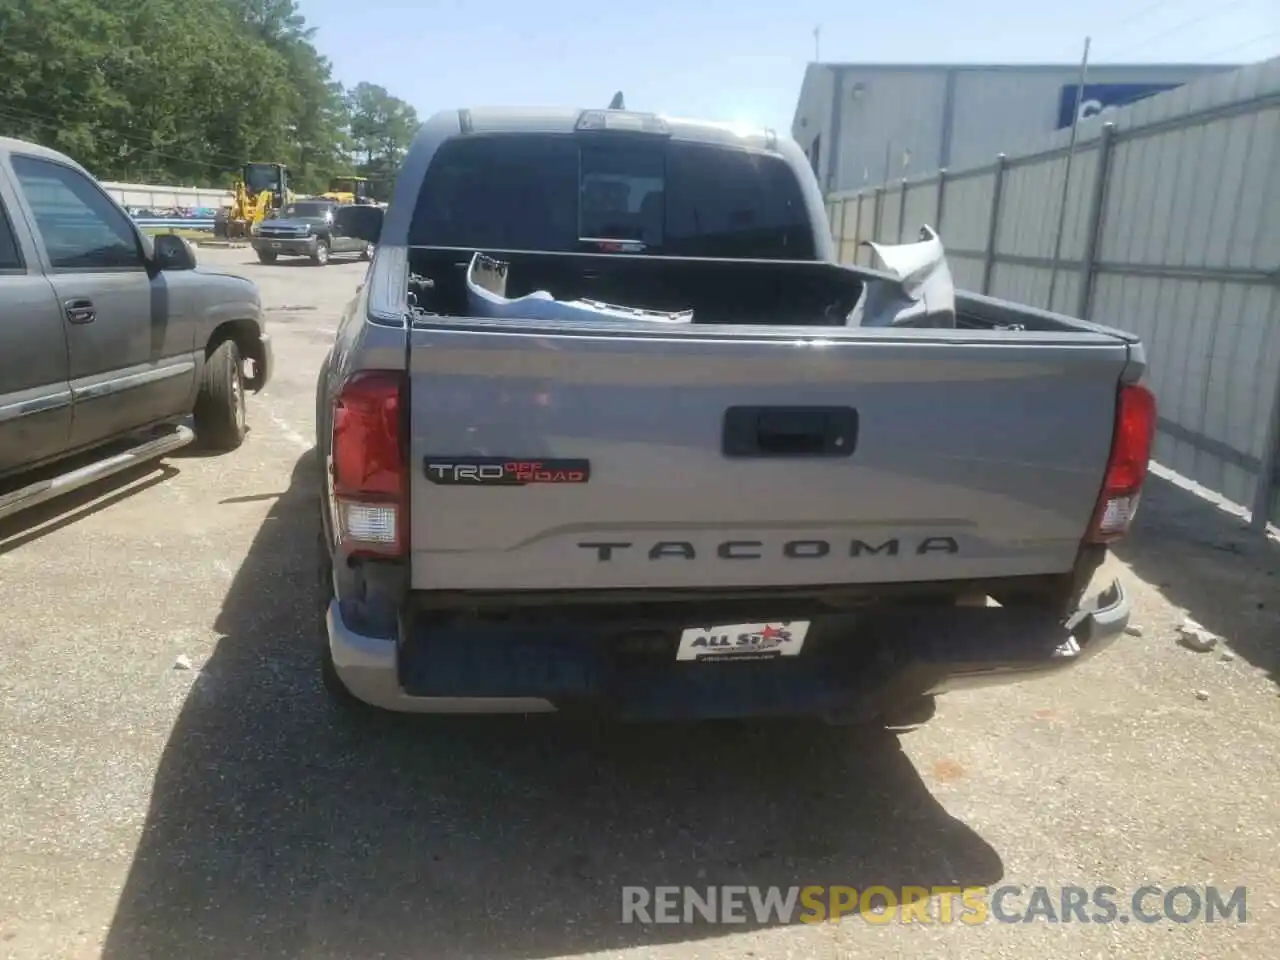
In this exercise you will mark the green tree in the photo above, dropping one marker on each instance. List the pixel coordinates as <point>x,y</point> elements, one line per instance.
<point>317,121</point>
<point>382,127</point>
<point>179,91</point>
<point>60,61</point>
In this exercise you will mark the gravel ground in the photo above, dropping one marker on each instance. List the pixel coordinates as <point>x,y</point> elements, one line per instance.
<point>225,811</point>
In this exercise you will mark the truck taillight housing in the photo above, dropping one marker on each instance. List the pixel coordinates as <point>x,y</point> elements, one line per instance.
<point>369,465</point>
<point>1126,466</point>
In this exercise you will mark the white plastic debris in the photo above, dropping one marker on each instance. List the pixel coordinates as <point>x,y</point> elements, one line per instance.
<point>1133,630</point>
<point>1195,637</point>
<point>183,662</point>
<point>486,296</point>
<point>1202,695</point>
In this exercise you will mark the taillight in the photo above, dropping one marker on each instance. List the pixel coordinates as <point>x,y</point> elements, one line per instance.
<point>369,464</point>
<point>1126,466</point>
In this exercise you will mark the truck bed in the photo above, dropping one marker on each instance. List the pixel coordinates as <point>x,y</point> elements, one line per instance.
<point>718,291</point>
<point>765,445</point>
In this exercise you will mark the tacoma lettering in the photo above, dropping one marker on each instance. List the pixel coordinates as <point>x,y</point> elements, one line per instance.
<point>672,548</point>
<point>607,551</point>
<point>805,549</point>
<point>858,548</point>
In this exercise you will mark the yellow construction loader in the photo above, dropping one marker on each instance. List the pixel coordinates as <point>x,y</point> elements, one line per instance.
<point>260,188</point>
<point>350,190</point>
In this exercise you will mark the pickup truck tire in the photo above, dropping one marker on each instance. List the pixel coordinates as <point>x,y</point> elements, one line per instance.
<point>266,256</point>
<point>321,255</point>
<point>220,407</point>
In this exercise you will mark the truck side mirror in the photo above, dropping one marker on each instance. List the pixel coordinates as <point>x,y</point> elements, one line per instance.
<point>364,223</point>
<point>173,252</point>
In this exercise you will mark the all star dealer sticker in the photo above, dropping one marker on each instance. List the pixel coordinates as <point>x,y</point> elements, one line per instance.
<point>743,641</point>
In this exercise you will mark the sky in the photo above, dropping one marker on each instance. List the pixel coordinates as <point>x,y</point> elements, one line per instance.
<point>743,61</point>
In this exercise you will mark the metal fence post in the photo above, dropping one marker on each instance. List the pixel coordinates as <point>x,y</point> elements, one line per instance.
<point>850,230</point>
<point>997,190</point>
<point>1095,223</point>
<point>858,225</point>
<point>875,224</point>
<point>1269,471</point>
<point>902,210</point>
<point>942,199</point>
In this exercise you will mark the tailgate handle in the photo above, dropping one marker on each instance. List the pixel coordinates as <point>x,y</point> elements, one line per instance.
<point>790,431</point>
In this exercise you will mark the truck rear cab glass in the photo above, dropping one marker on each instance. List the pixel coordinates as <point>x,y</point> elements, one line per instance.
<point>589,192</point>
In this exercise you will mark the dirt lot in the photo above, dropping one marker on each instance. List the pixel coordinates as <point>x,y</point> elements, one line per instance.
<point>225,811</point>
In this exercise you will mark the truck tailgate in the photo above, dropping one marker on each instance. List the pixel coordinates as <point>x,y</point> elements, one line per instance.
<point>546,457</point>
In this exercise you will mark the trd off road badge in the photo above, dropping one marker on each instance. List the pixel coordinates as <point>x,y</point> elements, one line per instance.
<point>503,471</point>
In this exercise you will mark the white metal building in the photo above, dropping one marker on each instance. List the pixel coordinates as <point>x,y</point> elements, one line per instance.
<point>865,123</point>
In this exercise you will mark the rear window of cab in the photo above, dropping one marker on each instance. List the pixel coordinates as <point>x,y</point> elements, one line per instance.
<point>585,192</point>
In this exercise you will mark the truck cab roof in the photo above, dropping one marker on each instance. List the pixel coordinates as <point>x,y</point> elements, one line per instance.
<point>568,119</point>
<point>10,145</point>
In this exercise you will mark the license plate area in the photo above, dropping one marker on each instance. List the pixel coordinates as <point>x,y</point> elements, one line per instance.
<point>764,640</point>
<point>275,244</point>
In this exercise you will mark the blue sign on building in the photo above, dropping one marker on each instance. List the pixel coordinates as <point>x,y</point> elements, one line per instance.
<point>1100,96</point>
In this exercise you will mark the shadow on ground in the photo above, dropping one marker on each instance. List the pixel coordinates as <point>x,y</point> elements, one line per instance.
<point>1207,562</point>
<point>280,827</point>
<point>60,512</point>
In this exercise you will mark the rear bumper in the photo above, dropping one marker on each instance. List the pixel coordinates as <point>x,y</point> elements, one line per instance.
<point>1096,624</point>
<point>862,663</point>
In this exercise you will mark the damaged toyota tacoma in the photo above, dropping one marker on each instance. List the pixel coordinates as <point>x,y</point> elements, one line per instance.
<point>607,428</point>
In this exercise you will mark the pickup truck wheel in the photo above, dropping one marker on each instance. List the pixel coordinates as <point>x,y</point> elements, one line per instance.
<point>367,253</point>
<point>220,407</point>
<point>266,256</point>
<point>321,255</point>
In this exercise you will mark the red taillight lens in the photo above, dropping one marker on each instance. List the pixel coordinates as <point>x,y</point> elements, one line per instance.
<point>369,476</point>
<point>1127,465</point>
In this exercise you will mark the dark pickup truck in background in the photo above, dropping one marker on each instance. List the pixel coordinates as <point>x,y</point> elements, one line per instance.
<point>607,427</point>
<point>315,228</point>
<point>109,339</point>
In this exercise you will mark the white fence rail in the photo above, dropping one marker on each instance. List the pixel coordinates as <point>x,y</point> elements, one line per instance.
<point>1171,230</point>
<point>146,196</point>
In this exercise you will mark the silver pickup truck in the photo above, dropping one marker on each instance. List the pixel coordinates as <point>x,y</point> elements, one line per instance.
<point>109,339</point>
<point>607,428</point>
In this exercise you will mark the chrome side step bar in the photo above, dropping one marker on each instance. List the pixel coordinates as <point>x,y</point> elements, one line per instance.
<point>42,490</point>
